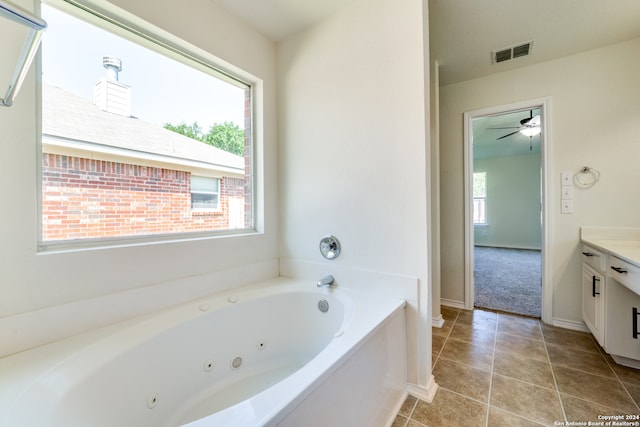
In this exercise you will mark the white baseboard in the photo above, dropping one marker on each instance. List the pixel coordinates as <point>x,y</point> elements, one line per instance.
<point>625,361</point>
<point>452,303</point>
<point>570,324</point>
<point>527,248</point>
<point>396,410</point>
<point>437,322</point>
<point>424,393</point>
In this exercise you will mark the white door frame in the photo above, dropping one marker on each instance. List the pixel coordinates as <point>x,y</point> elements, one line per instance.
<point>545,142</point>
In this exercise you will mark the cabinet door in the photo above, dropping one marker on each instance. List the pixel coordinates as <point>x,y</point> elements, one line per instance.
<point>593,302</point>
<point>623,321</point>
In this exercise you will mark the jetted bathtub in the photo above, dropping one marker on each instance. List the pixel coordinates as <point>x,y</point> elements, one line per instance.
<point>282,352</point>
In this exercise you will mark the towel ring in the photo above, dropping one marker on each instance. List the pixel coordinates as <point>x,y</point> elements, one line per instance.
<point>592,174</point>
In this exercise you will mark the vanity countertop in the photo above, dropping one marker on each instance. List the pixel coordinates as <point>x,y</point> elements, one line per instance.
<point>628,250</point>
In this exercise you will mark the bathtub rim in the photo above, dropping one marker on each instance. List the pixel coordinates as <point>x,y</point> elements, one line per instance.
<point>19,364</point>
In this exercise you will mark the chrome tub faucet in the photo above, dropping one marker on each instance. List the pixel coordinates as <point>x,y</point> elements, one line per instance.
<point>326,281</point>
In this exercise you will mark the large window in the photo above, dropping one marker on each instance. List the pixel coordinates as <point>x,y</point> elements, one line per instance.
<point>133,127</point>
<point>480,198</point>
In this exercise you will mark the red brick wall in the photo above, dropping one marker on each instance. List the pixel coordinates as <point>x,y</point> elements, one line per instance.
<point>83,198</point>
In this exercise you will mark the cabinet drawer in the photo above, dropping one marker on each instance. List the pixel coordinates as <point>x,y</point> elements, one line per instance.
<point>594,258</point>
<point>625,273</point>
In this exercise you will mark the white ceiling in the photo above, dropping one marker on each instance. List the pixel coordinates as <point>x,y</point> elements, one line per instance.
<point>463,33</point>
<point>278,19</point>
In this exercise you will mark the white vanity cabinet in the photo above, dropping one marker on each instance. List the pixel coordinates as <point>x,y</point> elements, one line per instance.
<point>611,290</point>
<point>593,285</point>
<point>593,295</point>
<point>622,334</point>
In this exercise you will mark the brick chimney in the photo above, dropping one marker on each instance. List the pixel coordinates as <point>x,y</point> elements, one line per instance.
<point>108,93</point>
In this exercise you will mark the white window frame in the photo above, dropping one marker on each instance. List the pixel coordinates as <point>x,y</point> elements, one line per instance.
<point>480,203</point>
<point>120,22</point>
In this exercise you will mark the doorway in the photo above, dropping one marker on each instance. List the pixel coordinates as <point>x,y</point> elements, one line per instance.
<point>505,208</point>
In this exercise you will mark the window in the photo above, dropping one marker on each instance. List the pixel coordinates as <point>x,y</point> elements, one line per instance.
<point>480,198</point>
<point>205,192</point>
<point>133,127</point>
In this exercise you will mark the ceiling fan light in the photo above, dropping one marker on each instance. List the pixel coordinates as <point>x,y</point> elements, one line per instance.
<point>530,131</point>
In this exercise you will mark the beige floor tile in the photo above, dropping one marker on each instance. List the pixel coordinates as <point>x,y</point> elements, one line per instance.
<point>478,317</point>
<point>593,363</point>
<point>400,421</point>
<point>594,388</point>
<point>443,331</point>
<point>413,423</point>
<point>407,406</point>
<point>526,347</point>
<point>437,343</point>
<point>522,368</point>
<point>450,409</point>
<point>526,400</point>
<point>578,410</point>
<point>474,334</point>
<point>523,327</point>
<point>574,339</point>
<point>449,313</point>
<point>634,391</point>
<point>500,418</point>
<point>470,354</point>
<point>464,379</point>
<point>626,374</point>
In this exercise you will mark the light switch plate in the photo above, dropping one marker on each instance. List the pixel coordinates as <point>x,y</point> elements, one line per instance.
<point>567,206</point>
<point>566,177</point>
<point>567,192</point>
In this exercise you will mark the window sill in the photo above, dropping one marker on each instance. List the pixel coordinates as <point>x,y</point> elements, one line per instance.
<point>206,212</point>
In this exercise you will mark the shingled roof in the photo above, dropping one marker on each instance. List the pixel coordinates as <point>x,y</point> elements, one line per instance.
<point>67,117</point>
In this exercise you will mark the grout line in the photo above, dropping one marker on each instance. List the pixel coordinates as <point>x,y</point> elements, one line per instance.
<point>493,361</point>
<point>415,404</point>
<point>553,374</point>
<point>446,338</point>
<point>519,416</point>
<point>619,380</point>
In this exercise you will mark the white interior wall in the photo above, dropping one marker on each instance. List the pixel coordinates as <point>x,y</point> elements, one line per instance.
<point>44,294</point>
<point>594,120</point>
<point>513,202</point>
<point>353,158</point>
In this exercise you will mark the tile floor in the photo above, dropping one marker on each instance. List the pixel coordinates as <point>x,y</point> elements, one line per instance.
<point>498,370</point>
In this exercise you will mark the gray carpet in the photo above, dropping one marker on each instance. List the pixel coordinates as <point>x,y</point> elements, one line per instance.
<point>508,280</point>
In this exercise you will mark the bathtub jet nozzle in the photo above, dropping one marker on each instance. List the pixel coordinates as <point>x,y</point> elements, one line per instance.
<point>326,281</point>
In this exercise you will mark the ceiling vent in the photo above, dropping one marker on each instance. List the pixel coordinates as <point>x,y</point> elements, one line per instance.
<point>512,52</point>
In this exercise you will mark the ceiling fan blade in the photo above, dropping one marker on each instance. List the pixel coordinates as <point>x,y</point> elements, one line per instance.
<point>509,134</point>
<point>508,127</point>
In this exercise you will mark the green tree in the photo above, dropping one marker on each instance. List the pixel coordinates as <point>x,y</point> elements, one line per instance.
<point>192,131</point>
<point>227,136</point>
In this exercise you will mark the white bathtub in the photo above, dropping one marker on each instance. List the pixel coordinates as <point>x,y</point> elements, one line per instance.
<point>260,355</point>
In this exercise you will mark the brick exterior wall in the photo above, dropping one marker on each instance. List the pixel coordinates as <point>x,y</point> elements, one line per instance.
<point>83,198</point>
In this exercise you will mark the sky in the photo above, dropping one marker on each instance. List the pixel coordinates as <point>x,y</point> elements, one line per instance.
<point>162,89</point>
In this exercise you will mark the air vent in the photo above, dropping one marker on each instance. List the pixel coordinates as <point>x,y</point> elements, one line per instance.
<point>512,52</point>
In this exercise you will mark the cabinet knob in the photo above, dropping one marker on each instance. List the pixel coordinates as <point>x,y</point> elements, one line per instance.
<point>587,254</point>
<point>635,323</point>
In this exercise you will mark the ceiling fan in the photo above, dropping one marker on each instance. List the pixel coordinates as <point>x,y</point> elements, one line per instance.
<point>529,126</point>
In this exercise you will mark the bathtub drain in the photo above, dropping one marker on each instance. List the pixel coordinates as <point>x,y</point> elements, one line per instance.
<point>323,305</point>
